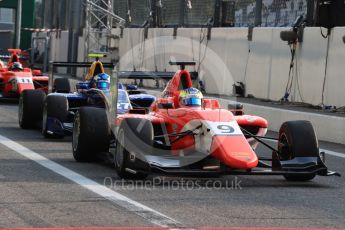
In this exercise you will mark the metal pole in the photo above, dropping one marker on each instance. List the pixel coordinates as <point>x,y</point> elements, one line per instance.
<point>87,30</point>
<point>310,12</point>
<point>32,53</point>
<point>46,54</point>
<point>19,22</point>
<point>154,13</point>
<point>216,16</point>
<point>76,30</point>
<point>182,12</point>
<point>70,33</point>
<point>258,13</point>
<point>110,25</point>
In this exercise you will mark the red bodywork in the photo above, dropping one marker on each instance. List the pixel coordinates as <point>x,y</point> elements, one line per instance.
<point>232,149</point>
<point>13,83</point>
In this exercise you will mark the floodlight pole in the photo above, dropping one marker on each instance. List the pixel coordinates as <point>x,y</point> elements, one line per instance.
<point>258,13</point>
<point>19,22</point>
<point>99,22</point>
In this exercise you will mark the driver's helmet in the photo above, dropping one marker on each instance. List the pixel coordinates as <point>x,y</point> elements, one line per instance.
<point>190,97</point>
<point>16,66</point>
<point>102,81</point>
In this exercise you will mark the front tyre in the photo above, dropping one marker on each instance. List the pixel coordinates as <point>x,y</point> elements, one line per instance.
<point>132,139</point>
<point>54,107</point>
<point>297,139</point>
<point>30,108</point>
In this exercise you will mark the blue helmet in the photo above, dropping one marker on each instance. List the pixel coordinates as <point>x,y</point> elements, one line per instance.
<point>102,81</point>
<point>190,97</point>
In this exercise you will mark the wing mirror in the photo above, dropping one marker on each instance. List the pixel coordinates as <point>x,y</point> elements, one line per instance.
<point>36,72</point>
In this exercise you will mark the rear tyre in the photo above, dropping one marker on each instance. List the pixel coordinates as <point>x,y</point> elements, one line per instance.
<point>56,107</point>
<point>62,85</point>
<point>91,134</point>
<point>131,139</point>
<point>298,139</point>
<point>30,108</point>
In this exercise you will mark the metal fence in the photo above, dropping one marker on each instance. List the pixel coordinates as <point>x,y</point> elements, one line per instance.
<point>183,13</point>
<point>274,13</point>
<point>186,13</point>
<point>224,13</point>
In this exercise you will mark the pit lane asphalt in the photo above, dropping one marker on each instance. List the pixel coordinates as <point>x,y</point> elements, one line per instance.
<point>32,196</point>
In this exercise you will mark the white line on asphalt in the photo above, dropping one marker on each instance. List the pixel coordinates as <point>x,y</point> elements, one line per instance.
<point>328,152</point>
<point>332,153</point>
<point>147,213</point>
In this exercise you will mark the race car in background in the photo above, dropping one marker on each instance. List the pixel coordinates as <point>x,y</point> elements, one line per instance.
<point>14,79</point>
<point>58,107</point>
<point>138,98</point>
<point>186,134</point>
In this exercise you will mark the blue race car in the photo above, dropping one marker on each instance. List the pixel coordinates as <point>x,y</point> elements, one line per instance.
<point>123,102</point>
<point>138,98</point>
<point>60,106</point>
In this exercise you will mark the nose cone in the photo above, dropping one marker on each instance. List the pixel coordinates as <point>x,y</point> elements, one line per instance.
<point>234,151</point>
<point>24,86</point>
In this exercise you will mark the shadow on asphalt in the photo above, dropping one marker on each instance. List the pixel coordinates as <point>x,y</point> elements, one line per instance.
<point>9,101</point>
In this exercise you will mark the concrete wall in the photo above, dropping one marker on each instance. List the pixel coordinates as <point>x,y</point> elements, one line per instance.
<point>58,46</point>
<point>262,64</point>
<point>264,69</point>
<point>6,41</point>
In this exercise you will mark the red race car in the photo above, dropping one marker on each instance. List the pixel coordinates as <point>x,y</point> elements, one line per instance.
<point>186,134</point>
<point>14,79</point>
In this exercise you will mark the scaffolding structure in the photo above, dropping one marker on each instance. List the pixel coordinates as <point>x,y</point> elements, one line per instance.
<point>99,21</point>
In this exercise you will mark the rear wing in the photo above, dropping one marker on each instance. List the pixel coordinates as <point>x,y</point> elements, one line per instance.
<point>80,64</point>
<point>154,75</point>
<point>16,55</point>
<point>8,57</point>
<point>5,56</point>
<point>14,51</point>
<point>183,64</point>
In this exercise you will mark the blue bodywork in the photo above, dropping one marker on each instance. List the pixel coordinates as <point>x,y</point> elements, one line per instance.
<point>85,96</point>
<point>141,100</point>
<point>138,98</point>
<point>123,103</point>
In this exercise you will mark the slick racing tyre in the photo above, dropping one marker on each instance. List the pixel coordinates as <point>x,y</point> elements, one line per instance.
<point>30,108</point>
<point>54,107</point>
<point>297,139</point>
<point>132,139</point>
<point>91,134</point>
<point>62,85</point>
